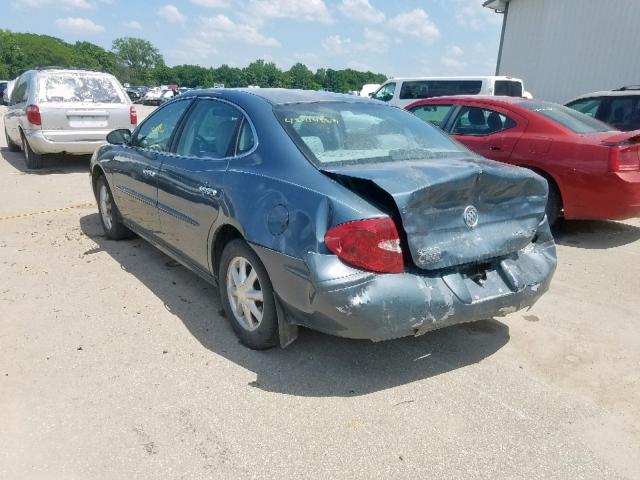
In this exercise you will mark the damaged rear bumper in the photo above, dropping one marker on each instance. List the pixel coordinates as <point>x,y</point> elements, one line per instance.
<point>326,295</point>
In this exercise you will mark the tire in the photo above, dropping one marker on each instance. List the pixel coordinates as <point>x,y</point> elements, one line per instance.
<point>31,159</point>
<point>110,217</point>
<point>254,332</point>
<point>554,205</point>
<point>12,146</point>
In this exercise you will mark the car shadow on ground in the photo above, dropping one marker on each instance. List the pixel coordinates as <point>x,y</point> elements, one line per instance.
<point>595,234</point>
<point>50,163</point>
<point>315,364</point>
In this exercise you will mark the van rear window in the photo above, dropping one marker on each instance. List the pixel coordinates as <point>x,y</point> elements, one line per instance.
<point>69,88</point>
<point>416,89</point>
<point>508,88</point>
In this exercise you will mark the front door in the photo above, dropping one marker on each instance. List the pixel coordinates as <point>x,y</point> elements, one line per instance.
<point>191,180</point>
<point>490,132</point>
<point>135,167</point>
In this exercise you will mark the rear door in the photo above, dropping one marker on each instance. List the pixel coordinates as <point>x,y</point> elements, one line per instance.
<point>489,131</point>
<point>82,106</point>
<point>191,180</point>
<point>135,167</point>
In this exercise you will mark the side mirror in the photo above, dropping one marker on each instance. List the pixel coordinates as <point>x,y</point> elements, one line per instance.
<point>371,94</point>
<point>122,136</point>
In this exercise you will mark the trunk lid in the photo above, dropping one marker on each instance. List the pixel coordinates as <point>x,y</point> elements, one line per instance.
<point>457,211</point>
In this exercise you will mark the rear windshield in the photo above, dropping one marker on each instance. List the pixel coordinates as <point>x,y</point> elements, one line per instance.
<point>575,121</point>
<point>508,88</point>
<point>70,88</point>
<point>416,89</point>
<point>358,133</point>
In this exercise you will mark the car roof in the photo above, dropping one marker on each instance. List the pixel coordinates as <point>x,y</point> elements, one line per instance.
<point>608,93</point>
<point>453,78</point>
<point>493,99</point>
<point>73,71</point>
<point>281,96</point>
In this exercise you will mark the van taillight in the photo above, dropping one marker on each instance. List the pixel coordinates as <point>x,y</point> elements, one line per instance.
<point>133,115</point>
<point>624,157</point>
<point>371,244</point>
<point>33,115</point>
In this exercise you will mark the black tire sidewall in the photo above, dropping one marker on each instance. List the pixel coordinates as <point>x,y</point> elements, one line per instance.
<point>31,159</point>
<point>266,335</point>
<point>117,231</point>
<point>553,205</point>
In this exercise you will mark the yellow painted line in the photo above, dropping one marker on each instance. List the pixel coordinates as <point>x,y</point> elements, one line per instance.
<point>52,210</point>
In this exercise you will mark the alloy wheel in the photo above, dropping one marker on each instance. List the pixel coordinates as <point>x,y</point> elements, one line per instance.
<point>245,293</point>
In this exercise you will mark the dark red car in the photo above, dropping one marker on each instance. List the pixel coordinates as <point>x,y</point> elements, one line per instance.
<point>593,171</point>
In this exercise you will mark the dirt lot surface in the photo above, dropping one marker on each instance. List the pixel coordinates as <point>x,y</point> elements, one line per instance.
<point>115,363</point>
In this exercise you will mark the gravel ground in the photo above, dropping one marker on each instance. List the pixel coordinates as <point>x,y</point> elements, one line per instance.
<point>116,363</point>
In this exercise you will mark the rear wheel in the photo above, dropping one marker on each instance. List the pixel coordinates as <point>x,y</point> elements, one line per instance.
<point>31,159</point>
<point>247,296</point>
<point>109,214</point>
<point>12,146</point>
<point>554,204</point>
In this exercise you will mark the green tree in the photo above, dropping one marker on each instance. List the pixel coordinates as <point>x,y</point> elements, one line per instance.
<point>139,58</point>
<point>299,76</point>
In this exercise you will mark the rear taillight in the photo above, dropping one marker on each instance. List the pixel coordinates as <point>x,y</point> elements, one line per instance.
<point>624,157</point>
<point>371,244</point>
<point>33,115</point>
<point>133,115</point>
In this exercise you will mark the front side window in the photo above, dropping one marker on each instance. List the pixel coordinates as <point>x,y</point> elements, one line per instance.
<point>386,92</point>
<point>210,130</point>
<point>358,133</point>
<point>588,106</point>
<point>478,121</point>
<point>76,87</point>
<point>575,121</point>
<point>432,113</point>
<point>155,132</point>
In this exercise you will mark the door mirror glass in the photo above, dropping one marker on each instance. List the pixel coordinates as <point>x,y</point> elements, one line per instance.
<point>122,136</point>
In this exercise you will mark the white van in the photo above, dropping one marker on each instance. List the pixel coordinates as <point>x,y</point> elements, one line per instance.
<point>405,91</point>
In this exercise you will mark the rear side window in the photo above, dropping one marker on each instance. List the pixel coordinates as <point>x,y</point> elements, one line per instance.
<point>508,88</point>
<point>575,121</point>
<point>19,93</point>
<point>480,121</point>
<point>245,139</point>
<point>588,106</point>
<point>623,113</point>
<point>439,88</point>
<point>434,114</point>
<point>209,131</point>
<point>76,88</point>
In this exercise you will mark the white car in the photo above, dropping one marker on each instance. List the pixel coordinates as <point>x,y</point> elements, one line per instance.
<point>368,89</point>
<point>404,91</point>
<point>65,111</point>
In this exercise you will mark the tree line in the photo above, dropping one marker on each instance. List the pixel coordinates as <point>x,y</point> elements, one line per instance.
<point>138,62</point>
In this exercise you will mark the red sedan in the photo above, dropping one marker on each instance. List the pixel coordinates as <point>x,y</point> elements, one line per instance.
<point>593,171</point>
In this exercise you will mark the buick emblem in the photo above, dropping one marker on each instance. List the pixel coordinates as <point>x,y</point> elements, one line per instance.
<point>470,216</point>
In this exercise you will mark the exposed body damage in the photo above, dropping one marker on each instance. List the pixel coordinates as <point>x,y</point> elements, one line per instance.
<point>339,300</point>
<point>467,237</point>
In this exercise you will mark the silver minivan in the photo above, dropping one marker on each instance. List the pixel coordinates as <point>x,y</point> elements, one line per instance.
<point>64,111</point>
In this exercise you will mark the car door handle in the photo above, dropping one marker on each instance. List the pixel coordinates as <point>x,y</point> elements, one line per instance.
<point>210,192</point>
<point>148,172</point>
<point>494,148</point>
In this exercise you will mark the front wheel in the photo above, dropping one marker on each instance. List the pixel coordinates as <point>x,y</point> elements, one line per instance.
<point>109,214</point>
<point>247,296</point>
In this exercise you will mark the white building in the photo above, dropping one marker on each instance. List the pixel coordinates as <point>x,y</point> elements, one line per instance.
<point>563,48</point>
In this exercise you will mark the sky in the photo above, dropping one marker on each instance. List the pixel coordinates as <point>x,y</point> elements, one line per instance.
<point>394,37</point>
